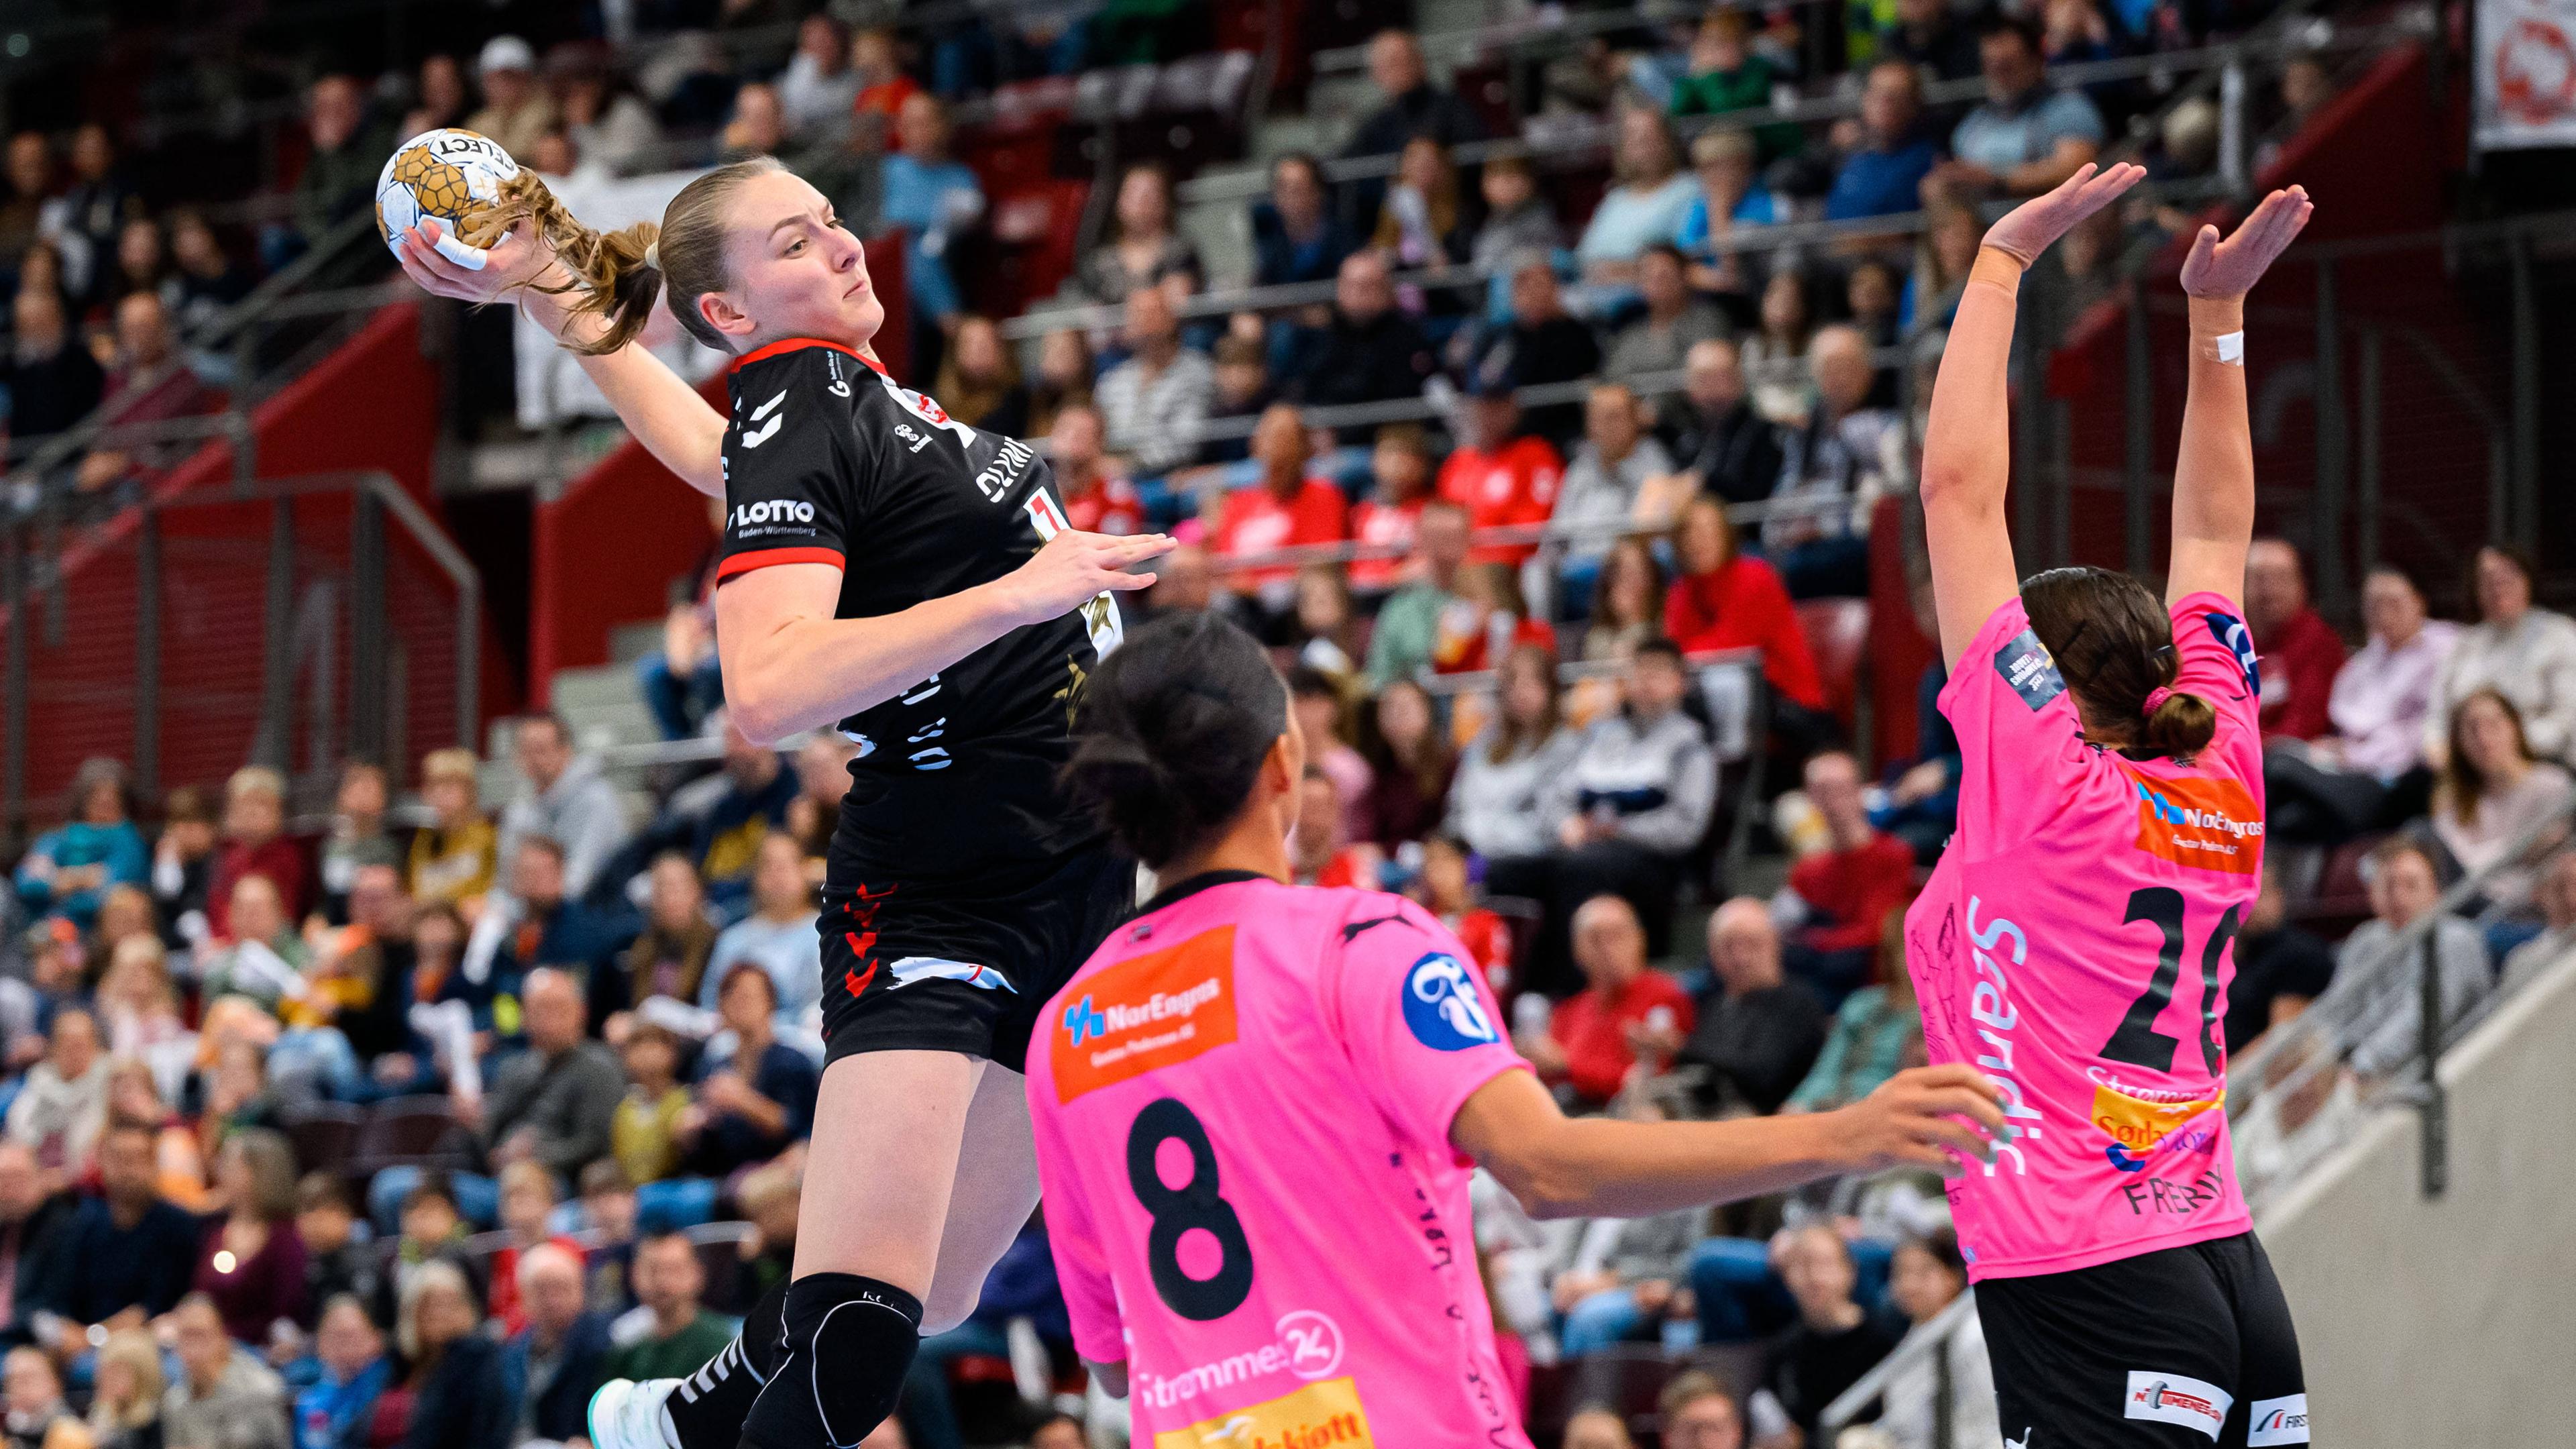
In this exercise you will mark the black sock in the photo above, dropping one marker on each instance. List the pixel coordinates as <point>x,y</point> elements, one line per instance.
<point>708,1408</point>
<point>867,1331</point>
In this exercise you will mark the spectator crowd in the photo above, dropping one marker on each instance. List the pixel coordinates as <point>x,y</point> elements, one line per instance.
<point>409,1117</point>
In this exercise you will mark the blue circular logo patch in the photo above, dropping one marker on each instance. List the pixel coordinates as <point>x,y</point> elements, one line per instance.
<point>1442,1008</point>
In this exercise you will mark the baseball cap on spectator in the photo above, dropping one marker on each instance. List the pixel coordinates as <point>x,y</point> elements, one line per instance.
<point>505,52</point>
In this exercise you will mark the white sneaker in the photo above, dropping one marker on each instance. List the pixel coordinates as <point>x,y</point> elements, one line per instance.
<point>625,1414</point>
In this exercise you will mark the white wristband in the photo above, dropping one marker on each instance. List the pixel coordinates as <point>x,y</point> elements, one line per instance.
<point>2231,348</point>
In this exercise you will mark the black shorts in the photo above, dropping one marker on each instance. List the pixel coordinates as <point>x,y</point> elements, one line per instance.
<point>948,968</point>
<point>2179,1348</point>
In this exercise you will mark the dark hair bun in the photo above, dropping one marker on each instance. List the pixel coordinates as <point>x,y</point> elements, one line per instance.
<point>1171,733</point>
<point>2180,726</point>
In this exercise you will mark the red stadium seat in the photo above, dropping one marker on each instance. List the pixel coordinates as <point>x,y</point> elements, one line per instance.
<point>1736,1365</point>
<point>324,1135</point>
<point>2341,898</point>
<point>1836,629</point>
<point>1626,1377</point>
<point>413,1131</point>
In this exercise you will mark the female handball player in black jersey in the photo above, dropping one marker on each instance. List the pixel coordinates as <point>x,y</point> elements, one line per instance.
<point>912,581</point>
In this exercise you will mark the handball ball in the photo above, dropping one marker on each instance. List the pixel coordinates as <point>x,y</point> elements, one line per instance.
<point>451,175</point>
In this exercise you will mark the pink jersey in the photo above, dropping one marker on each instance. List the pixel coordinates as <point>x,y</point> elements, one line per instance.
<point>2075,945</point>
<point>1242,1106</point>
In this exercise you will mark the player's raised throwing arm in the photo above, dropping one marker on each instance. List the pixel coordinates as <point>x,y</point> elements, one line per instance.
<point>666,414</point>
<point>2213,519</point>
<point>1559,1166</point>
<point>1967,448</point>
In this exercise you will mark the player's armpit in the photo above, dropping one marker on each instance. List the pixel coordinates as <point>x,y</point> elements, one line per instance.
<point>1112,1377</point>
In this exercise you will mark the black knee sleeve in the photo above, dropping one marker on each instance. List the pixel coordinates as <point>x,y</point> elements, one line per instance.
<point>708,1408</point>
<point>849,1340</point>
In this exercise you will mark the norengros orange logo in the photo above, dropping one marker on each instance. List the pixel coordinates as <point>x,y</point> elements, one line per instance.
<point>2210,823</point>
<point>1319,1416</point>
<point>1147,1012</point>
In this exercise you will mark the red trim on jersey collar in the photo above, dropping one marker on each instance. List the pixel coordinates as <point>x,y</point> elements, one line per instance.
<point>743,563</point>
<point>798,344</point>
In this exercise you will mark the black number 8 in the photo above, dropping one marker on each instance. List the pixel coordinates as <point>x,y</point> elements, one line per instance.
<point>1194,1204</point>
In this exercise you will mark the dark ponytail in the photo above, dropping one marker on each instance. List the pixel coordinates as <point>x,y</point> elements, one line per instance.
<point>619,275</point>
<point>1172,732</point>
<point>2113,644</point>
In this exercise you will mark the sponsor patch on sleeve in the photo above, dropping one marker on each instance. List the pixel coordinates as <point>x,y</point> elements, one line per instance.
<point>2025,665</point>
<point>1442,1008</point>
<point>1152,1011</point>
<point>2175,1399</point>
<point>2230,631</point>
<point>2277,1421</point>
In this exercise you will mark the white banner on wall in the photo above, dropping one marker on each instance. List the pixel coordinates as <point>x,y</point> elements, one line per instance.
<point>2526,62</point>
<point>551,383</point>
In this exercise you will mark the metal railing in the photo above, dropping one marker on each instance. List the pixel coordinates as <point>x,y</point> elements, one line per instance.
<point>339,621</point>
<point>2290,1078</point>
<point>1929,1339</point>
<point>1439,399</point>
<point>240,333</point>
<point>2202,69</point>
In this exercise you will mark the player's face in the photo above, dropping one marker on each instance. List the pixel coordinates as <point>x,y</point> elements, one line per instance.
<point>797,271</point>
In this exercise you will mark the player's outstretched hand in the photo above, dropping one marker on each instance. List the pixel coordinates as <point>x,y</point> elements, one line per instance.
<point>1915,1119</point>
<point>519,257</point>
<point>2030,228</point>
<point>2230,268</point>
<point>1073,566</point>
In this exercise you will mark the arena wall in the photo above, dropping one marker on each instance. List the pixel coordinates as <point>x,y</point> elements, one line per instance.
<point>2448,1321</point>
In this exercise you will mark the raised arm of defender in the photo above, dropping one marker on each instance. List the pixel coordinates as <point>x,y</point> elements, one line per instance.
<point>658,406</point>
<point>2213,517</point>
<point>1967,447</point>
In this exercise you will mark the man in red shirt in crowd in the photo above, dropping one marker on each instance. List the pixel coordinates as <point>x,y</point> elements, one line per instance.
<point>2301,652</point>
<point>1286,508</point>
<point>1096,500</point>
<point>1834,909</point>
<point>1401,467</point>
<point>1499,475</point>
<point>1592,1036</point>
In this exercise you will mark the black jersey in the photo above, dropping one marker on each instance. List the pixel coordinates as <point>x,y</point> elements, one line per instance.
<point>828,460</point>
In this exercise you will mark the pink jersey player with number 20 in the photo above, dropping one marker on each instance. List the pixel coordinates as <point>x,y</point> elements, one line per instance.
<point>2075,941</point>
<point>1257,1106</point>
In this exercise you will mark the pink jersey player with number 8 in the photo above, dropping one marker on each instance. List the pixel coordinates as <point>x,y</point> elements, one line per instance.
<point>1256,1107</point>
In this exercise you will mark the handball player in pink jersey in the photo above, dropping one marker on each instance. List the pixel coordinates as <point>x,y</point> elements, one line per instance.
<point>1256,1106</point>
<point>2075,941</point>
